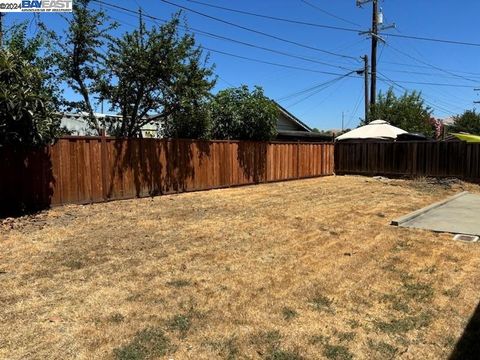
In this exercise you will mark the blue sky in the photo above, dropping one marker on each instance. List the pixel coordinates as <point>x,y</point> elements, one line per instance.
<point>407,62</point>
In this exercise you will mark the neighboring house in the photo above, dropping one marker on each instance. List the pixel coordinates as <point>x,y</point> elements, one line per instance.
<point>77,124</point>
<point>290,128</point>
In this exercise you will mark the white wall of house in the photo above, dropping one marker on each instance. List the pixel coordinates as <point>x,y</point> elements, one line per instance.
<point>78,126</point>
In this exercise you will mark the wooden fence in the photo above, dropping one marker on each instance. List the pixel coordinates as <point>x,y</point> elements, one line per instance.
<point>439,159</point>
<point>94,169</point>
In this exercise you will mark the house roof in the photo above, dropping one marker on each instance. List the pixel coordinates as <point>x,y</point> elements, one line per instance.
<point>293,118</point>
<point>303,136</point>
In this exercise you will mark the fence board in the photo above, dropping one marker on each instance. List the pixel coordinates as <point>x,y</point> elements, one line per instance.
<point>440,159</point>
<point>94,169</point>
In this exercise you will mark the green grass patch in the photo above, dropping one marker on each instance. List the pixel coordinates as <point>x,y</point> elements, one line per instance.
<point>382,349</point>
<point>178,283</point>
<point>147,344</point>
<point>418,291</point>
<point>320,302</point>
<point>116,318</point>
<point>337,352</point>
<point>354,324</point>
<point>404,324</point>
<point>227,349</point>
<point>396,303</point>
<point>180,323</point>
<point>318,339</point>
<point>346,336</point>
<point>266,339</point>
<point>74,264</point>
<point>279,354</point>
<point>452,293</point>
<point>268,345</point>
<point>405,276</point>
<point>289,313</point>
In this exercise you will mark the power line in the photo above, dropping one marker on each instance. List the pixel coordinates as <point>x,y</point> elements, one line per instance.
<point>209,34</point>
<point>429,65</point>
<point>434,84</point>
<point>206,33</point>
<point>269,62</point>
<point>422,73</point>
<point>253,59</point>
<point>260,32</point>
<point>387,80</point>
<point>313,88</point>
<point>317,103</point>
<point>328,13</point>
<point>299,22</point>
<point>355,109</point>
<point>439,91</point>
<point>133,12</point>
<point>377,26</point>
<point>291,21</point>
<point>331,73</point>
<point>332,82</point>
<point>421,38</point>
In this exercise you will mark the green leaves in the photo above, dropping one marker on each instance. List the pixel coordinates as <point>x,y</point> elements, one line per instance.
<point>407,112</point>
<point>240,114</point>
<point>468,122</point>
<point>79,58</point>
<point>27,112</point>
<point>156,71</point>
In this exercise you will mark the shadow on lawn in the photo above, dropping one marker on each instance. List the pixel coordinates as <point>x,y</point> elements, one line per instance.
<point>468,346</point>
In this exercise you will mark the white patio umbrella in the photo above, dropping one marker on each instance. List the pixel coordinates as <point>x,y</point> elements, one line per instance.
<point>378,129</point>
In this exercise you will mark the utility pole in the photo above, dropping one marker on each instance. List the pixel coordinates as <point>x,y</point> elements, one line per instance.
<point>476,102</point>
<point>365,74</point>
<point>140,25</point>
<point>343,120</point>
<point>377,24</point>
<point>374,35</point>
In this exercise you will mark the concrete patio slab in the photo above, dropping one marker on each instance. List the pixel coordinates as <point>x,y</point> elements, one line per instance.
<point>459,214</point>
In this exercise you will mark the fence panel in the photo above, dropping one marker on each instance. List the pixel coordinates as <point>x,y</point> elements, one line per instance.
<point>442,159</point>
<point>94,169</point>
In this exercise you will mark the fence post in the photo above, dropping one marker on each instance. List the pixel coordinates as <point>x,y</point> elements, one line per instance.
<point>103,164</point>
<point>267,155</point>
<point>298,159</point>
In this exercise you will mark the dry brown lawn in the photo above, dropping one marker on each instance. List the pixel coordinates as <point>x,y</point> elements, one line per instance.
<point>305,269</point>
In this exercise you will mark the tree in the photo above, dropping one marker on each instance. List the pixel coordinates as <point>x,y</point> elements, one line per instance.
<point>158,72</point>
<point>79,56</point>
<point>191,122</point>
<point>38,51</point>
<point>27,112</point>
<point>407,112</point>
<point>468,122</point>
<point>238,113</point>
